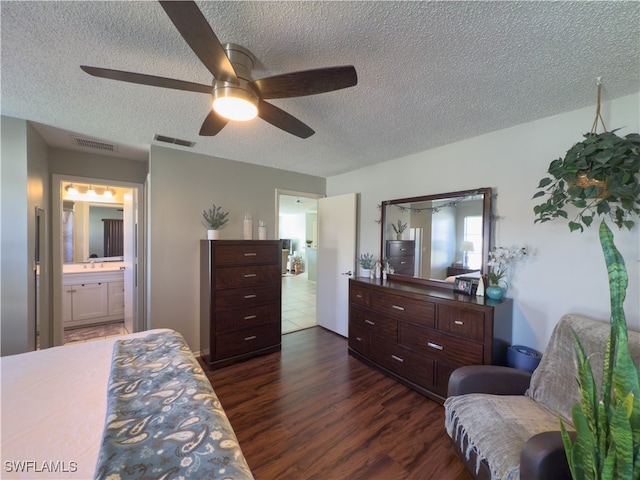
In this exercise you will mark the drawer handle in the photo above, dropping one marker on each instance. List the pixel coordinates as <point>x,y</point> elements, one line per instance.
<point>359,339</point>
<point>435,345</point>
<point>358,296</point>
<point>249,275</point>
<point>402,263</point>
<point>403,249</point>
<point>366,320</point>
<point>397,307</point>
<point>401,360</point>
<point>250,296</point>
<point>250,254</point>
<point>250,317</point>
<point>252,337</point>
<point>458,322</point>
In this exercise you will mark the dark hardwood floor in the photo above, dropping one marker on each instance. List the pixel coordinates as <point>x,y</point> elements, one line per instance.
<point>313,412</point>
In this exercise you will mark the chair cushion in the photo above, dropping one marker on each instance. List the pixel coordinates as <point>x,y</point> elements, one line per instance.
<point>553,383</point>
<point>496,427</point>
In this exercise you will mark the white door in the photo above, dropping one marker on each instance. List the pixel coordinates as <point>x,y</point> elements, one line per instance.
<point>129,225</point>
<point>336,260</point>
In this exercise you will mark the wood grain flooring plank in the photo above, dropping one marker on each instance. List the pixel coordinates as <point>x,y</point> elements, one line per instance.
<point>312,411</point>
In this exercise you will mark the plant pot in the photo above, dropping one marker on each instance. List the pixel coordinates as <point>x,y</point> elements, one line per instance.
<point>494,291</point>
<point>398,236</point>
<point>296,268</point>
<point>365,272</point>
<point>213,234</point>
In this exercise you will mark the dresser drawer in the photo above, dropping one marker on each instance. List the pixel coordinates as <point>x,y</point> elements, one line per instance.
<point>359,294</point>
<point>246,340</point>
<point>247,254</point>
<point>400,248</point>
<point>247,317</point>
<point>377,324</point>
<point>229,277</point>
<point>403,308</point>
<point>410,365</point>
<point>443,372</point>
<point>359,339</point>
<point>452,349</point>
<point>244,297</point>
<point>463,322</point>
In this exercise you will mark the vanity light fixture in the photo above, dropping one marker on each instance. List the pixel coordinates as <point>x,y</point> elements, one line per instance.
<point>71,190</point>
<point>109,192</point>
<point>91,192</point>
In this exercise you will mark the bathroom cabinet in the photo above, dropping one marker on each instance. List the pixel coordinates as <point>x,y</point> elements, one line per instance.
<point>92,297</point>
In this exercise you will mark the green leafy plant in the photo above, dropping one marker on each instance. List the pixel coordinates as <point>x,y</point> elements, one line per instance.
<point>607,445</point>
<point>598,176</point>
<point>297,260</point>
<point>215,218</point>
<point>366,260</point>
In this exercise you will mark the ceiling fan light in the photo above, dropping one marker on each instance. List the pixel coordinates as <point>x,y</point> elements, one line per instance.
<point>235,104</point>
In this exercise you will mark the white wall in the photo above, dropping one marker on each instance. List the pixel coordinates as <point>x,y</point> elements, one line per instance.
<point>565,271</point>
<point>182,185</point>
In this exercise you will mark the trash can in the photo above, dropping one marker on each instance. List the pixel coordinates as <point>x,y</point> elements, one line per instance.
<point>523,358</point>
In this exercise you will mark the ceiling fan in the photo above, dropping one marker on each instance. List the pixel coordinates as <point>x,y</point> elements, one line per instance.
<point>236,96</point>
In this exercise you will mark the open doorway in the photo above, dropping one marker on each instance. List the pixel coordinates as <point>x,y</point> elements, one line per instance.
<point>97,254</point>
<point>297,226</point>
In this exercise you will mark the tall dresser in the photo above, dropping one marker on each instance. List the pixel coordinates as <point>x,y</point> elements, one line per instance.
<point>419,334</point>
<point>401,255</point>
<point>240,299</point>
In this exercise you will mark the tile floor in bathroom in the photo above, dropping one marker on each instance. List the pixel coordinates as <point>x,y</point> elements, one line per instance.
<point>298,312</point>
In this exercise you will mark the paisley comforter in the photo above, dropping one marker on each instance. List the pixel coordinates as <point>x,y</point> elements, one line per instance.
<point>163,418</point>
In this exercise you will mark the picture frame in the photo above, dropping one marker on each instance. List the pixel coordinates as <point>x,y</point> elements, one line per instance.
<point>463,285</point>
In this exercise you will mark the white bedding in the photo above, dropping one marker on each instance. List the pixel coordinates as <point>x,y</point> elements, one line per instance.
<point>452,278</point>
<point>70,381</point>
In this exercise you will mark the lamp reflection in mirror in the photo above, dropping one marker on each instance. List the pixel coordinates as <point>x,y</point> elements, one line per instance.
<point>467,246</point>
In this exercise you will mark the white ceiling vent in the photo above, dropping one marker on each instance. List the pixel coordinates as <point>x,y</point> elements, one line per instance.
<point>94,144</point>
<point>175,141</point>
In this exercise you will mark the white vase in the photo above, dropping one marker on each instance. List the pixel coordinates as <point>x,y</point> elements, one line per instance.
<point>213,234</point>
<point>365,272</point>
<point>262,233</point>
<point>247,231</point>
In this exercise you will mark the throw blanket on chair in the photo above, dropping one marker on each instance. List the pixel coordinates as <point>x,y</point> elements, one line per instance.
<point>163,417</point>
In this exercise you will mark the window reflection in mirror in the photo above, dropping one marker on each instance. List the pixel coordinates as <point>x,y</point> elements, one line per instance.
<point>437,236</point>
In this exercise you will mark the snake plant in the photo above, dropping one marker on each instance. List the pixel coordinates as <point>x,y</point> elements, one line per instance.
<point>607,445</point>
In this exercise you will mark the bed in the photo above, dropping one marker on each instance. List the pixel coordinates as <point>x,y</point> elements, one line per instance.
<point>67,413</point>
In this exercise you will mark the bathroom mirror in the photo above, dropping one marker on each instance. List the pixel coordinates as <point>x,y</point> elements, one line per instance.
<point>83,226</point>
<point>433,238</point>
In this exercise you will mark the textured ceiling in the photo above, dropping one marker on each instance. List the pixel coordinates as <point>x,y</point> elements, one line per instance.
<point>429,73</point>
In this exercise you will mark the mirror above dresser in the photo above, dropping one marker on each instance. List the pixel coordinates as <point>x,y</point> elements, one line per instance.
<point>432,238</point>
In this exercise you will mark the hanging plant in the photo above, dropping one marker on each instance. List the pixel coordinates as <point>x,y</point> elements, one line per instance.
<point>598,176</point>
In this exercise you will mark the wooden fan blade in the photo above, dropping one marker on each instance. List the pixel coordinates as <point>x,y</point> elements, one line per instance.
<point>143,79</point>
<point>194,28</point>
<point>212,124</point>
<point>281,119</point>
<point>307,82</point>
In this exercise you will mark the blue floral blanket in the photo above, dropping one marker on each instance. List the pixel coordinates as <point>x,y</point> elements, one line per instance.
<point>164,420</point>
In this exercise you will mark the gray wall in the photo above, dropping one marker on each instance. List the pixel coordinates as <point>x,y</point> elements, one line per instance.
<point>85,164</point>
<point>24,185</point>
<point>182,185</point>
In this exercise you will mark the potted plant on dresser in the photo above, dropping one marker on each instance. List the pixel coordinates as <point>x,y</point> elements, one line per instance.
<point>214,220</point>
<point>599,177</point>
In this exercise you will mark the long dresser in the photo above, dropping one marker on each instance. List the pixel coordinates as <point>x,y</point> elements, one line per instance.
<point>240,299</point>
<point>419,334</point>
